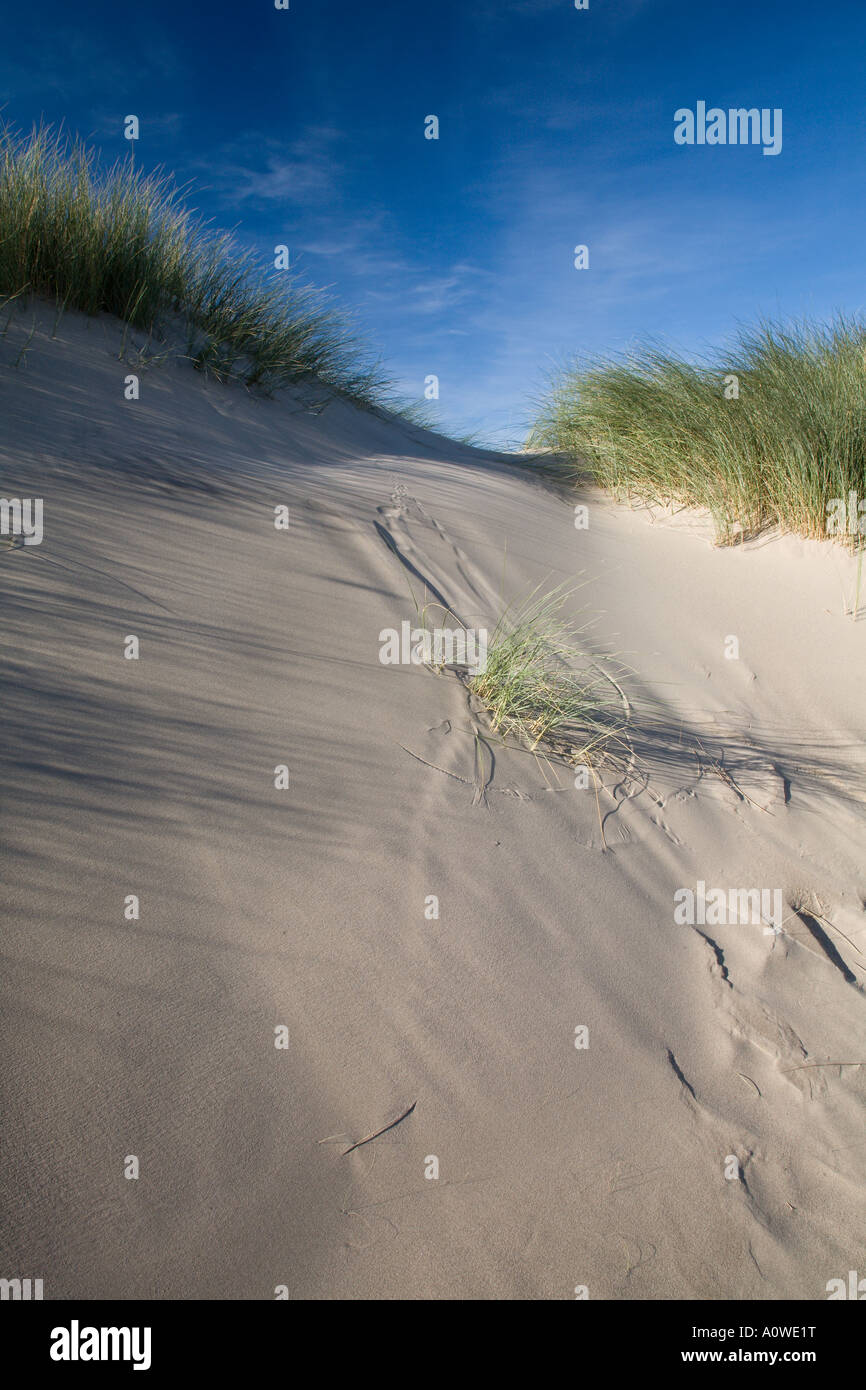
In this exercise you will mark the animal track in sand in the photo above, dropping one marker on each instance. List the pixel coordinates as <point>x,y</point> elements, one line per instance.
<point>666,830</point>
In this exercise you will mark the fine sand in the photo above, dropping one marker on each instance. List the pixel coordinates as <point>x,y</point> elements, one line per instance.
<point>712,1048</point>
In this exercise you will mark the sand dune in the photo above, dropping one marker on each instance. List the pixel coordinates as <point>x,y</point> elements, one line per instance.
<point>559,1166</point>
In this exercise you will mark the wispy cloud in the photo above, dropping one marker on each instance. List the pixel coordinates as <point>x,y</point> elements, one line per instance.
<point>449,292</point>
<point>305,173</point>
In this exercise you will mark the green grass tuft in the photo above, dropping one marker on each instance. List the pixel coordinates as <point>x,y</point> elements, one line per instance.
<point>532,688</point>
<point>658,429</point>
<point>121,242</point>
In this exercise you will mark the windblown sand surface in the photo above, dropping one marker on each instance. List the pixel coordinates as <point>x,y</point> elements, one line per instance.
<point>559,1167</point>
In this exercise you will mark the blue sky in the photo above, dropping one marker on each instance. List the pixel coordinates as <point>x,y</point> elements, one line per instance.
<point>306,127</point>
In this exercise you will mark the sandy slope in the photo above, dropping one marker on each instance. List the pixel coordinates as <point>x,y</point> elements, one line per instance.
<point>558,1167</point>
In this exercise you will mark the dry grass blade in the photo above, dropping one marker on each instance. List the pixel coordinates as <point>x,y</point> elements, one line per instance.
<point>384,1130</point>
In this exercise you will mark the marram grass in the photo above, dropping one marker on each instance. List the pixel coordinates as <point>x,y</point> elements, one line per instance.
<point>765,434</point>
<point>117,241</point>
<point>537,688</point>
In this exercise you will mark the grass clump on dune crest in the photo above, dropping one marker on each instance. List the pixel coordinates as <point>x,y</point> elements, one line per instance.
<point>117,241</point>
<point>787,438</point>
